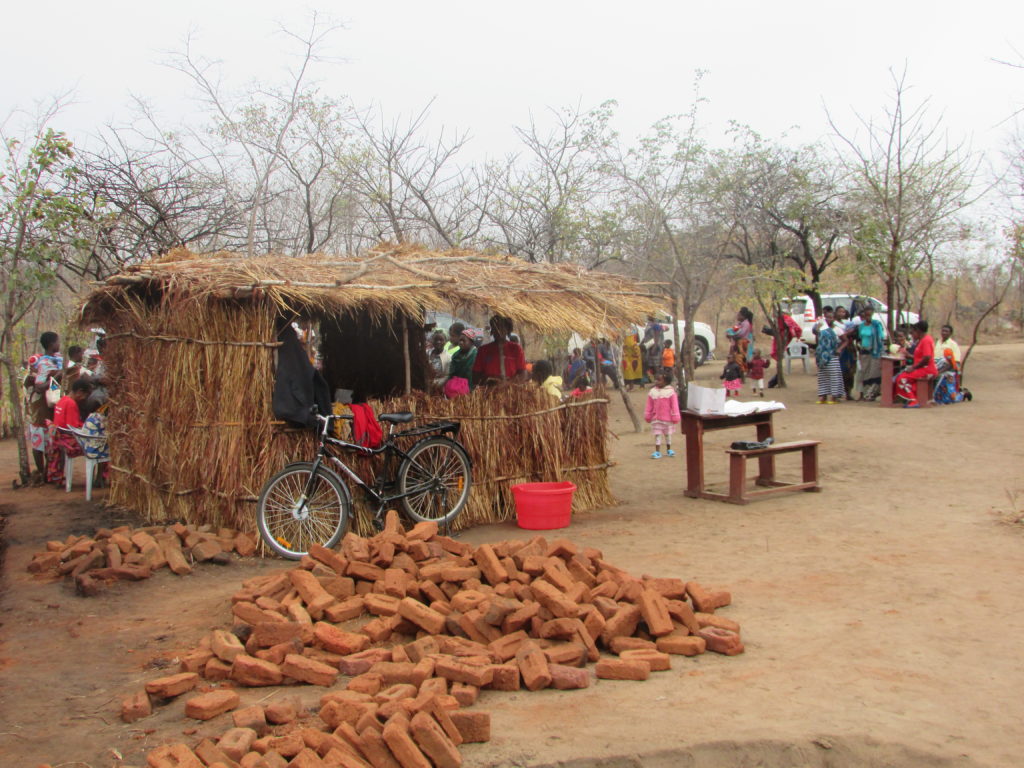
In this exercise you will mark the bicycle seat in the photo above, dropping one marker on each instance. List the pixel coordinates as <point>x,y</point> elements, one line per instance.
<point>396,418</point>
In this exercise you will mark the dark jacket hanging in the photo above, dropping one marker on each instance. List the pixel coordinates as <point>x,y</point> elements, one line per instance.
<point>298,385</point>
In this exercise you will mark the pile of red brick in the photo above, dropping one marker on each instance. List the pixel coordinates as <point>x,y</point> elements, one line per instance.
<point>129,554</point>
<point>448,621</point>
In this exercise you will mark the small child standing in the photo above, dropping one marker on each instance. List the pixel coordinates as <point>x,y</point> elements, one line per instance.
<point>732,378</point>
<point>756,368</point>
<point>668,359</point>
<point>662,413</point>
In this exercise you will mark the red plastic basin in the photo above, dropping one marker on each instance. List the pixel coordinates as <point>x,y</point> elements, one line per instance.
<point>543,506</point>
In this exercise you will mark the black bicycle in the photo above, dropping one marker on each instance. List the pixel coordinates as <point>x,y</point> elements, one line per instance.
<point>308,503</point>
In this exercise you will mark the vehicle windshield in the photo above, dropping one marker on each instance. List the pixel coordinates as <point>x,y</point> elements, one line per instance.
<point>793,307</point>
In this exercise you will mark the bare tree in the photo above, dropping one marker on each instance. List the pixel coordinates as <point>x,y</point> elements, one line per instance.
<point>909,185</point>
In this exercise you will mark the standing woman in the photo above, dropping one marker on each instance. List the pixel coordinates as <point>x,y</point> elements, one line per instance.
<point>826,354</point>
<point>48,365</point>
<point>743,335</point>
<point>502,360</point>
<point>922,367</point>
<point>632,362</point>
<point>870,335</point>
<point>847,354</point>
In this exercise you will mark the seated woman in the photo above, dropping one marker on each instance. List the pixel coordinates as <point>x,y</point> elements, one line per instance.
<point>923,366</point>
<point>66,415</point>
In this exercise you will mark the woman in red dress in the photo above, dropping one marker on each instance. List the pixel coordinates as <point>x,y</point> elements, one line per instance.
<point>502,360</point>
<point>922,367</point>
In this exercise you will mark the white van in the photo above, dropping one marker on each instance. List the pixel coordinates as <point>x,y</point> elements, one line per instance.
<point>801,309</point>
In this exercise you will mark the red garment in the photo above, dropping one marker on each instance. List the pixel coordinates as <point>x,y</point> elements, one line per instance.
<point>365,429</point>
<point>925,348</point>
<point>66,413</point>
<point>757,366</point>
<point>488,364</point>
<point>905,385</point>
<point>790,330</point>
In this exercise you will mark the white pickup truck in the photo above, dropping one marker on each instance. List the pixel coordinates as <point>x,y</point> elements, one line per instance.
<point>801,309</point>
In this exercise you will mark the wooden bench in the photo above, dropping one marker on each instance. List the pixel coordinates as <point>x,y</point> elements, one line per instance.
<point>738,493</point>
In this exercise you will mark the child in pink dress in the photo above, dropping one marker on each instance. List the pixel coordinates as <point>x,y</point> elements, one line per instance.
<point>732,378</point>
<point>662,412</point>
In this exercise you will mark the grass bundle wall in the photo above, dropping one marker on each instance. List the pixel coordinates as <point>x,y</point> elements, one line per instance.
<point>193,438</point>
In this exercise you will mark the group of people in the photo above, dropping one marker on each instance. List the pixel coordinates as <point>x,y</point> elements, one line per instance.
<point>745,361</point>
<point>64,394</point>
<point>849,357</point>
<point>460,364</point>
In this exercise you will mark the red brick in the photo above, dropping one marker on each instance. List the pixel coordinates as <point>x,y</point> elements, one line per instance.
<point>268,633</point>
<point>377,750</point>
<point>252,672</point>
<point>364,571</point>
<point>306,758</point>
<point>380,604</point>
<point>343,610</point>
<point>216,669</point>
<point>711,620</point>
<point>245,544</point>
<point>570,654</point>
<point>225,645</point>
<point>308,671</point>
<point>549,597</point>
<point>402,746</point>
<point>312,592</point>
<point>173,756</point>
<point>424,531</point>
<point>504,677</point>
<point>283,711</point>
<point>465,694</point>
<point>505,647</point>
<point>721,641</point>
<point>568,678</point>
<point>459,573</point>
<point>208,705</point>
<point>136,707</point>
<point>658,661</point>
<point>358,663</point>
<point>520,617</point>
<point>45,561</point>
<point>378,630</point>
<point>475,727</point>
<point>335,640</point>
<point>654,610</point>
<point>620,644</point>
<point>705,600</point>
<point>252,718</point>
<point>681,611</point>
<point>490,566</point>
<point>420,649</point>
<point>428,619</point>
<point>620,669</point>
<point>328,557</point>
<point>433,742</point>
<point>236,742</point>
<point>468,599</point>
<point>458,672</point>
<point>173,685</point>
<point>622,624</point>
<point>533,666</point>
<point>682,645</point>
<point>195,661</point>
<point>559,629</point>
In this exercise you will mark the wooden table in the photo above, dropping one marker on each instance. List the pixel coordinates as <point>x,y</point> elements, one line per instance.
<point>694,425</point>
<point>889,365</point>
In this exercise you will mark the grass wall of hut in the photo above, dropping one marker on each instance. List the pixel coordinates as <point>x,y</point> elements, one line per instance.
<point>193,438</point>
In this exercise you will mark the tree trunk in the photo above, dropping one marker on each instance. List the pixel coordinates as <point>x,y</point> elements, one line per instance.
<point>815,296</point>
<point>14,390</point>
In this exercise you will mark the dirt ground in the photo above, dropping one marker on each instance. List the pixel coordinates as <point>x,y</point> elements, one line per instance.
<point>881,616</point>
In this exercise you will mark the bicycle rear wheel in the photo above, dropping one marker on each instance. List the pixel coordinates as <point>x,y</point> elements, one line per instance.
<point>290,520</point>
<point>437,477</point>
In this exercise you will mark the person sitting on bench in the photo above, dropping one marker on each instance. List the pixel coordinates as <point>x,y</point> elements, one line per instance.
<point>923,367</point>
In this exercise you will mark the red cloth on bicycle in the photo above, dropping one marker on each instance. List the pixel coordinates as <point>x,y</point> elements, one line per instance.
<point>365,429</point>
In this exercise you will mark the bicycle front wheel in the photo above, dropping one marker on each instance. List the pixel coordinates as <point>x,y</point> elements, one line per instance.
<point>297,509</point>
<point>436,478</point>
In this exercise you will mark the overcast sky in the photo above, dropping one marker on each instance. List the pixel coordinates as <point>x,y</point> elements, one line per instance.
<point>488,65</point>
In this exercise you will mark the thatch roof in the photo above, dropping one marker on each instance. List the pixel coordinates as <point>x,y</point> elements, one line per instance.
<point>388,281</point>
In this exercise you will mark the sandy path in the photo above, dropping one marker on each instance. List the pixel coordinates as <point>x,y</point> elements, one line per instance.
<point>880,616</point>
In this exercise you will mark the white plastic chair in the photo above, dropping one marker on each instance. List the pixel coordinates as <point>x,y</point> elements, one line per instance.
<point>797,350</point>
<point>86,443</point>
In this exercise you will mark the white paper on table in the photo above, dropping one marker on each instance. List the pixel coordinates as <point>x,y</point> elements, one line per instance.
<point>737,408</point>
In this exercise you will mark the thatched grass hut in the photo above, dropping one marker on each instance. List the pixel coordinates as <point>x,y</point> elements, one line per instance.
<point>190,352</point>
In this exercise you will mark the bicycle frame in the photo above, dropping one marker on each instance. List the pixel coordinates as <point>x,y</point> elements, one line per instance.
<point>387,448</point>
